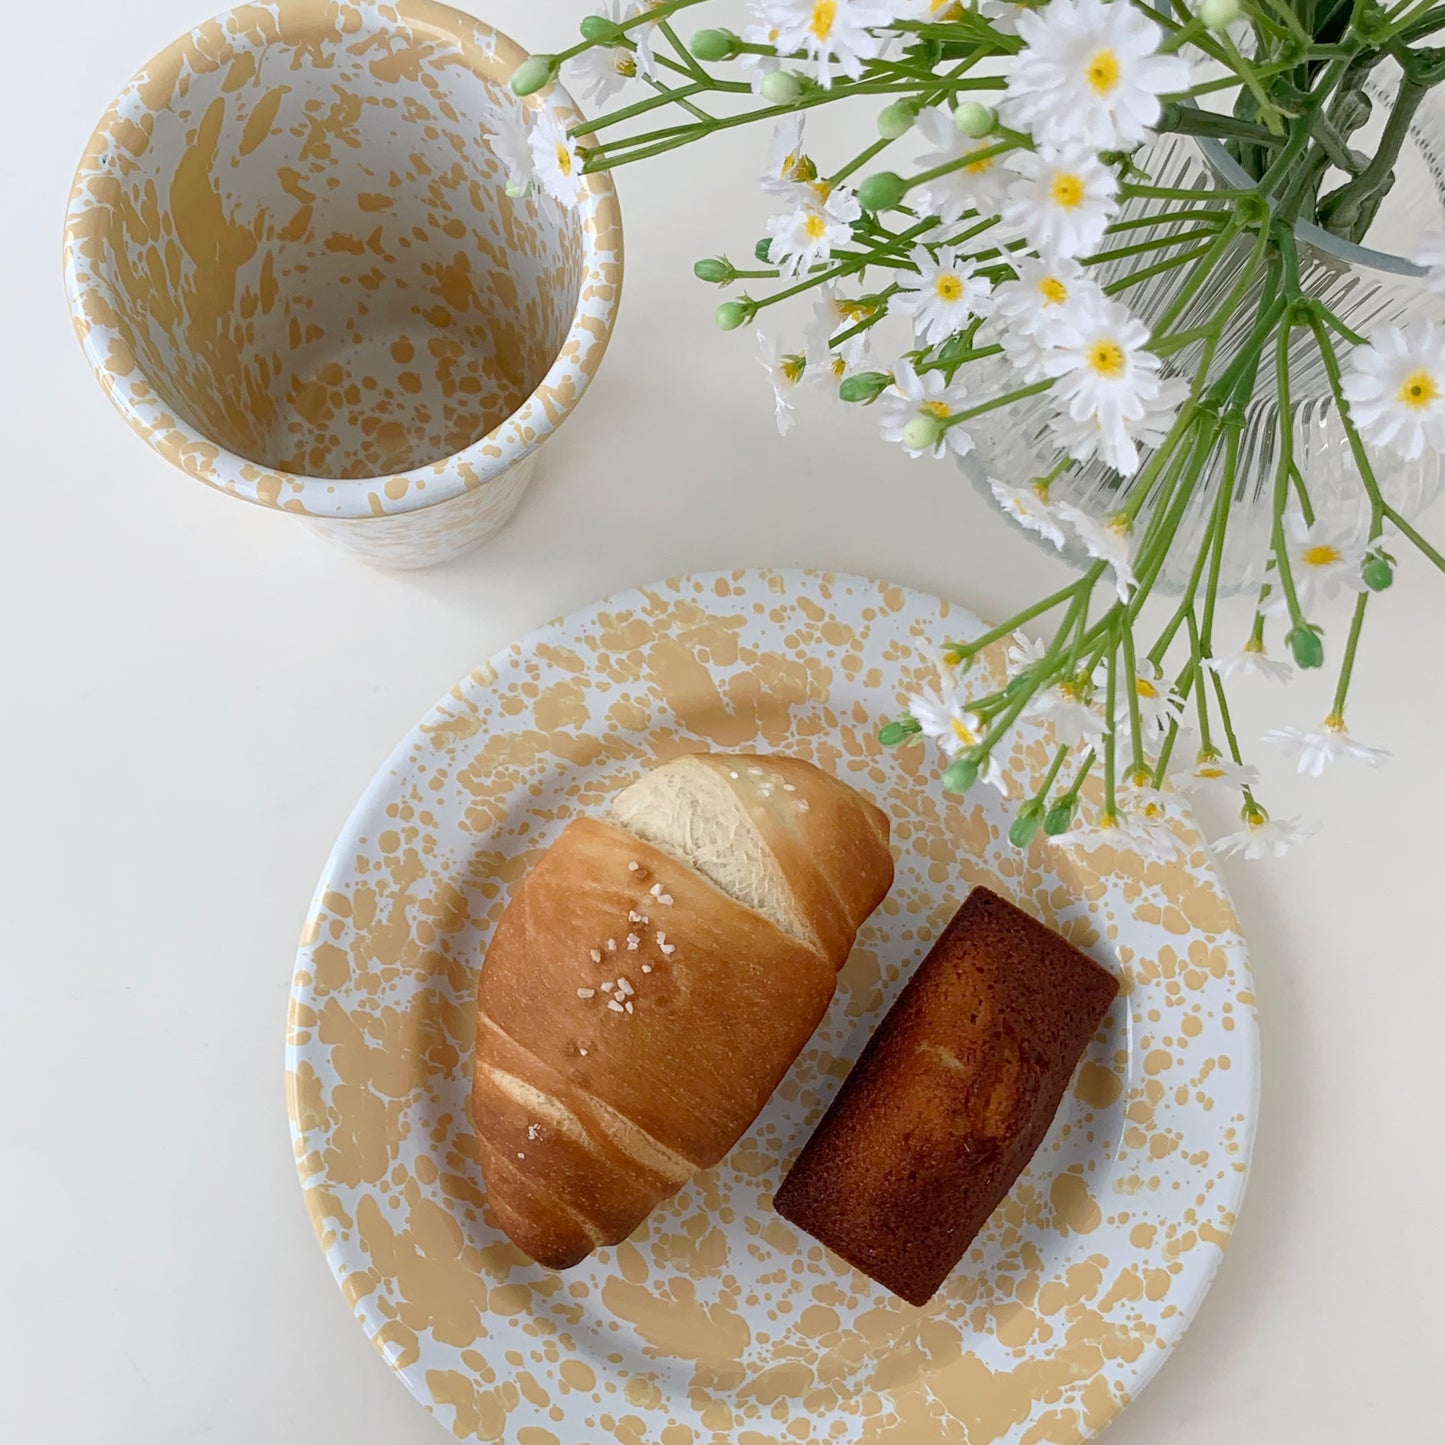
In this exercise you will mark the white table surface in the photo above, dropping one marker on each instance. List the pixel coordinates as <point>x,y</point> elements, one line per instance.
<point>193,693</point>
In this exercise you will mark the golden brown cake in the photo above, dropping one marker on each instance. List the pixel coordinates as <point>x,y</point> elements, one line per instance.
<point>949,1100</point>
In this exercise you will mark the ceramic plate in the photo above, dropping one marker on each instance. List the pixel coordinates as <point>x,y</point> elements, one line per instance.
<point>717,1321</point>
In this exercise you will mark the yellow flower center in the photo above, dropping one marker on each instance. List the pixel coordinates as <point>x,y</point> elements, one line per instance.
<point>792,368</point>
<point>625,62</point>
<point>815,227</point>
<point>1102,71</point>
<point>949,288</point>
<point>854,310</point>
<point>1418,389</point>
<point>839,367</point>
<point>1107,358</point>
<point>1321,556</point>
<point>1054,292</point>
<point>963,732</point>
<point>1041,490</point>
<point>1067,190</point>
<point>1209,770</point>
<point>935,408</point>
<point>825,12</point>
<point>977,168</point>
<point>1146,688</point>
<point>564,159</point>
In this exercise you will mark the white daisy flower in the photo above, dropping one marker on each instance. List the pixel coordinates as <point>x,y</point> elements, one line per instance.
<point>832,314</point>
<point>506,137</point>
<point>1149,838</point>
<point>1086,438</point>
<point>1149,815</point>
<point>1429,252</point>
<point>1029,507</point>
<point>1159,704</point>
<point>1023,652</point>
<point>754,68</point>
<point>913,394</point>
<point>944,720</point>
<point>1089,73</point>
<point>1250,661</point>
<point>1395,388</point>
<point>555,162</point>
<point>1106,541</point>
<point>803,237</point>
<point>1264,837</point>
<point>1074,721</point>
<point>1108,378</point>
<point>978,186</point>
<point>602,70</point>
<point>835,34</point>
<point>1040,298</point>
<point>785,372</point>
<point>787,165</point>
<point>1315,751</point>
<point>944,296</point>
<point>1060,200</point>
<point>1211,771</point>
<point>1323,560</point>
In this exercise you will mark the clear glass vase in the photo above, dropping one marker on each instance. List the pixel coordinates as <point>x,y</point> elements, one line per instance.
<point>1366,288</point>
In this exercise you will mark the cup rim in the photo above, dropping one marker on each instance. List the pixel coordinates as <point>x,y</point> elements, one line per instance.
<point>491,55</point>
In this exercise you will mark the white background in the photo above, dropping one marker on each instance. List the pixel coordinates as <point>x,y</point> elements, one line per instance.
<point>193,692</point>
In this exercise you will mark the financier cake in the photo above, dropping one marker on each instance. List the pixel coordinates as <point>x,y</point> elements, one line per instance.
<point>950,1099</point>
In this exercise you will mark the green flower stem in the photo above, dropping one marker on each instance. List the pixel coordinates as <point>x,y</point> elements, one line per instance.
<point>1221,699</point>
<point>1431,553</point>
<point>689,60</point>
<point>694,110</point>
<point>861,159</point>
<point>1201,697</point>
<point>1061,756</point>
<point>1167,218</point>
<point>646,17</point>
<point>1197,278</point>
<point>1281,476</point>
<point>961,652</point>
<point>1223,506</point>
<point>1347,663</point>
<point>969,158</point>
<point>1130,192</point>
<point>1136,719</point>
<point>630,112</point>
<point>1018,394</point>
<point>848,268</point>
<point>1111,806</point>
<point>1085,768</point>
<point>1353,337</point>
<point>1144,273</point>
<point>1137,248</point>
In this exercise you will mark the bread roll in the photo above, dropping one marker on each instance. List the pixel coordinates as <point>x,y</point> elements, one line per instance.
<point>950,1099</point>
<point>650,982</point>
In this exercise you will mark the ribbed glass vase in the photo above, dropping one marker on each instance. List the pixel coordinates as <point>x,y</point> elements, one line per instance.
<point>1366,288</point>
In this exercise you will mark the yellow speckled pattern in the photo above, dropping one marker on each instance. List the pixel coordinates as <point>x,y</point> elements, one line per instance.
<point>293,264</point>
<point>717,1322</point>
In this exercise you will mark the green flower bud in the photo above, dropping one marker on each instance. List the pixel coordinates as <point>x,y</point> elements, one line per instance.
<point>714,45</point>
<point>1060,817</point>
<point>1308,650</point>
<point>732,314</point>
<point>923,433</point>
<point>881,191</point>
<point>1023,828</point>
<point>865,386</point>
<point>717,270</point>
<point>533,73</point>
<point>896,120</point>
<point>761,250</point>
<point>1219,14</point>
<point>891,734</point>
<point>960,775</point>
<point>1377,572</point>
<point>782,87</point>
<point>599,30</point>
<point>974,119</point>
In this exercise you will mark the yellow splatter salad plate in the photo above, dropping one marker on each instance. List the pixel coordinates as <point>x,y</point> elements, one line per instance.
<point>717,1322</point>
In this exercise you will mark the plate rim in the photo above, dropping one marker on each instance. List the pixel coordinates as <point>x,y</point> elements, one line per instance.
<point>1187,1304</point>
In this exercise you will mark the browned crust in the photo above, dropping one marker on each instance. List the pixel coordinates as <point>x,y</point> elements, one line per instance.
<point>950,1099</point>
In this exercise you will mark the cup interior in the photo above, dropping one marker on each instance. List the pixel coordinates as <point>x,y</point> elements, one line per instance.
<point>307,245</point>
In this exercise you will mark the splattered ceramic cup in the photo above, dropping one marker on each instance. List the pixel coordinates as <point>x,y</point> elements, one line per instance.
<point>294,265</point>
